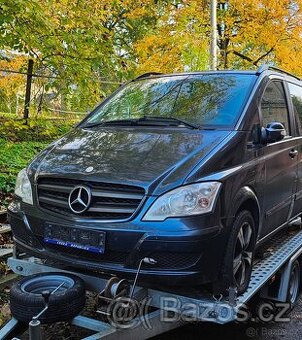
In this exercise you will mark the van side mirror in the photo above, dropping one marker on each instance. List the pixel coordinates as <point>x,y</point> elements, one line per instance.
<point>274,132</point>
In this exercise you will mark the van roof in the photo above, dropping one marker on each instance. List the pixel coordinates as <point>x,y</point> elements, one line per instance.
<point>260,70</point>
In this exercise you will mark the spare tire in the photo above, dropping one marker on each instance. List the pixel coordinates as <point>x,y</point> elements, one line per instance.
<point>26,298</point>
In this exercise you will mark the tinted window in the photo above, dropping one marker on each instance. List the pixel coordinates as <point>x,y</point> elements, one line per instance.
<point>273,105</point>
<point>202,99</point>
<point>296,95</point>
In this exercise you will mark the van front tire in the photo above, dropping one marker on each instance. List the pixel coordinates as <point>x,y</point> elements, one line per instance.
<point>237,263</point>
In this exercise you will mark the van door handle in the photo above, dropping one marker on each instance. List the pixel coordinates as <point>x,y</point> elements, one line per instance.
<point>293,153</point>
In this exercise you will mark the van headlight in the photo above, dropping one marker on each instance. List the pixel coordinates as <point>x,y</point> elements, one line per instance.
<point>23,187</point>
<point>192,199</point>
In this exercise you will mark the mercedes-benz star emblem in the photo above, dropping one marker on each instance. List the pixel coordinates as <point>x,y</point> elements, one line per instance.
<point>79,199</point>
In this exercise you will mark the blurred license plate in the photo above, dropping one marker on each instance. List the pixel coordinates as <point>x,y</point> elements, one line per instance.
<point>84,239</point>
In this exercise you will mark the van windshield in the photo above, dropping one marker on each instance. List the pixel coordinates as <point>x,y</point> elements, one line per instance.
<point>203,100</point>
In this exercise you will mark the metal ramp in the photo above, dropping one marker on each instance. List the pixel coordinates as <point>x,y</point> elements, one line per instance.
<point>284,250</point>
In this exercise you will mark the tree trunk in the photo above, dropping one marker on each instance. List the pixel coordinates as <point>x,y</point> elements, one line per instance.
<point>28,88</point>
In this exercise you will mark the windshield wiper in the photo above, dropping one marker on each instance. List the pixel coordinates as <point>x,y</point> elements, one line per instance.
<point>173,120</point>
<point>113,122</point>
<point>156,120</point>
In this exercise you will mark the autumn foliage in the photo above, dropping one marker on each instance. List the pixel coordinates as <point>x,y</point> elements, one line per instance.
<point>82,44</point>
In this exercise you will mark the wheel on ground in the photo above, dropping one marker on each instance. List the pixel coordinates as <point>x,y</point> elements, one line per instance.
<point>237,264</point>
<point>66,299</point>
<point>294,284</point>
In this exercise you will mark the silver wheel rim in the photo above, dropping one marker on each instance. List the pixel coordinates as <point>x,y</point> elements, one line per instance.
<point>37,285</point>
<point>243,254</point>
<point>294,284</point>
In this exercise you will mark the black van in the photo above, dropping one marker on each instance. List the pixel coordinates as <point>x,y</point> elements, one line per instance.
<point>193,170</point>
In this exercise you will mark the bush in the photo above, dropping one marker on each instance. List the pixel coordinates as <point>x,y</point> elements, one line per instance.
<point>14,157</point>
<point>42,129</point>
<point>20,142</point>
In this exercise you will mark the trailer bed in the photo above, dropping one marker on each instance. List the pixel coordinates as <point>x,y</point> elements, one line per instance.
<point>278,255</point>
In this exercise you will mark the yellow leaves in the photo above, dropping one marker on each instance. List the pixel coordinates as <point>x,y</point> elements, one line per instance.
<point>256,31</point>
<point>264,31</point>
<point>86,40</point>
<point>179,42</point>
<point>11,83</point>
<point>158,54</point>
<point>14,63</point>
<point>137,13</point>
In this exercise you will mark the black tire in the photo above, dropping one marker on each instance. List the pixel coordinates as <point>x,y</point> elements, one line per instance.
<point>294,284</point>
<point>244,222</point>
<point>26,298</point>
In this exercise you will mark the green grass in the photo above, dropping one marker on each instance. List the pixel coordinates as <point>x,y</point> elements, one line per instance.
<point>13,157</point>
<point>20,143</point>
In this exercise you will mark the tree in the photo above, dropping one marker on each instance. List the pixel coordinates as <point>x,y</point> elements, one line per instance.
<point>88,47</point>
<point>262,31</point>
<point>179,41</point>
<point>250,33</point>
<point>82,43</point>
<point>11,84</point>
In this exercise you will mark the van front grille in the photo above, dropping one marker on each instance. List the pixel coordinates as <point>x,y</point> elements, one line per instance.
<point>109,201</point>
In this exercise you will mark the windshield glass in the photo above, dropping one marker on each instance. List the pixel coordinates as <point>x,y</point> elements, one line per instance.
<point>212,99</point>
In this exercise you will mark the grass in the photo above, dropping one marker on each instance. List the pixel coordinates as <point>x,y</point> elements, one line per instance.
<point>13,157</point>
<point>20,143</point>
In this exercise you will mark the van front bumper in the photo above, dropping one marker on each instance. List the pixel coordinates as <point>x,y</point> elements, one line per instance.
<point>184,254</point>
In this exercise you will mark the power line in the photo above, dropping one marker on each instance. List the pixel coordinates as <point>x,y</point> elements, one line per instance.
<point>25,73</point>
<point>65,111</point>
<point>54,77</point>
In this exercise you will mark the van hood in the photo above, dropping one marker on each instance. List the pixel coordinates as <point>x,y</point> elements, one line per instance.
<point>160,158</point>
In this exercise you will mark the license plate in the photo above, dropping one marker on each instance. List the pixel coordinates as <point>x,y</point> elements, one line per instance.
<point>78,238</point>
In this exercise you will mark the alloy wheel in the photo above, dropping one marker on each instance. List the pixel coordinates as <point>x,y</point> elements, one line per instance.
<point>243,254</point>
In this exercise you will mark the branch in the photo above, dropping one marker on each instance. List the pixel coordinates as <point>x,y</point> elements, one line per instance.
<point>242,56</point>
<point>263,56</point>
<point>66,55</point>
<point>118,18</point>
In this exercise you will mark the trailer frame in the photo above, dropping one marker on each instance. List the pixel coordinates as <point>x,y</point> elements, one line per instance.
<point>279,257</point>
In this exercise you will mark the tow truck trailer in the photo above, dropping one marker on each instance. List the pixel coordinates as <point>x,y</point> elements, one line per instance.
<point>276,265</point>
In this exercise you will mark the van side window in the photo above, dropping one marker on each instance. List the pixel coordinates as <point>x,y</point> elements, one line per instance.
<point>296,96</point>
<point>274,106</point>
